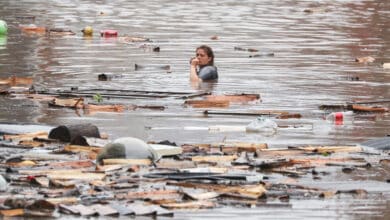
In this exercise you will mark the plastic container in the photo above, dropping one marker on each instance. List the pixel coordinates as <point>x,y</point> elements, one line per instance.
<point>3,28</point>
<point>340,118</point>
<point>109,33</point>
<point>261,124</point>
<point>87,31</point>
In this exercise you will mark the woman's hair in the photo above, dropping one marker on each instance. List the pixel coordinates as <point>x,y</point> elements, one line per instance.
<point>209,53</point>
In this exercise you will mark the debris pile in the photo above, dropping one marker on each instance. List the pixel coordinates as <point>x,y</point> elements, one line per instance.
<point>54,177</point>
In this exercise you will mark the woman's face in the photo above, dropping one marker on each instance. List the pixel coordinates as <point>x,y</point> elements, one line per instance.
<point>202,56</point>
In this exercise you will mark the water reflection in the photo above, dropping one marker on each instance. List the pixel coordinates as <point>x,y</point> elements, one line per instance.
<point>3,41</point>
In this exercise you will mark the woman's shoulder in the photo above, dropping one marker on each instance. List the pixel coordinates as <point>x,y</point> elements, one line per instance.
<point>208,72</point>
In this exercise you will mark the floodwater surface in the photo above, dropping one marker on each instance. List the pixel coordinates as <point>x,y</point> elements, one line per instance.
<point>313,64</point>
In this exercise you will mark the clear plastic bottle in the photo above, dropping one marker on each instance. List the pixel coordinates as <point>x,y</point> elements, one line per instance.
<point>261,124</point>
<point>340,118</point>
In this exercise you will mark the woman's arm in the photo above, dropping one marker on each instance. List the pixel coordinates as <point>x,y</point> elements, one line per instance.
<point>193,74</point>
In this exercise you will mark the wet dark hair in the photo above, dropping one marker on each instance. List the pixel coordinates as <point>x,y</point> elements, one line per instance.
<point>209,53</point>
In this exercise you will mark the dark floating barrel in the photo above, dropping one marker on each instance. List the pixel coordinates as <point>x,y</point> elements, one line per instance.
<point>74,133</point>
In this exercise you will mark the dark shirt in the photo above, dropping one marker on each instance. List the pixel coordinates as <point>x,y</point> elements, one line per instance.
<point>208,73</point>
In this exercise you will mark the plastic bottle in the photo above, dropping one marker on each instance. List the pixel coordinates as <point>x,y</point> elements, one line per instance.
<point>109,33</point>
<point>3,28</point>
<point>339,118</point>
<point>261,124</point>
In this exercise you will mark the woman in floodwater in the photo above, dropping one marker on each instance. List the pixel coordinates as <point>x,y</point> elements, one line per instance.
<point>202,66</point>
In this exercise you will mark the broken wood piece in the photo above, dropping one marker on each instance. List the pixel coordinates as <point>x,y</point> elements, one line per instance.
<point>240,98</point>
<point>152,107</point>
<point>31,143</point>
<point>50,171</point>
<point>190,205</point>
<point>174,164</point>
<point>253,191</point>
<point>362,108</point>
<point>26,136</point>
<point>217,159</point>
<point>144,162</point>
<point>367,59</point>
<point>25,163</point>
<point>103,108</point>
<point>78,149</point>
<point>77,103</point>
<point>45,156</point>
<point>331,149</point>
<point>207,103</point>
<point>230,147</point>
<point>63,200</point>
<point>286,116</point>
<point>12,212</point>
<point>154,195</point>
<point>13,80</point>
<point>77,176</point>
<point>72,164</point>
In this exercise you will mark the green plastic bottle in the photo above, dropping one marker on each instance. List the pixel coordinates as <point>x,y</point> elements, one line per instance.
<point>3,27</point>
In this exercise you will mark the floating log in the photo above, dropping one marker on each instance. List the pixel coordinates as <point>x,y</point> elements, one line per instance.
<point>369,102</point>
<point>68,133</point>
<point>362,108</point>
<point>152,107</point>
<point>286,116</point>
<point>104,108</point>
<point>71,103</point>
<point>240,98</point>
<point>207,103</point>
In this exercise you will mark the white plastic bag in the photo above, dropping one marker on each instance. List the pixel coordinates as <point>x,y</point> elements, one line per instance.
<point>261,124</point>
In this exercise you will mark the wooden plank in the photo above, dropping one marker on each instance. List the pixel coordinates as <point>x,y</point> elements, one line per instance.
<point>362,108</point>
<point>229,147</point>
<point>26,136</point>
<point>77,176</point>
<point>154,195</point>
<point>332,149</point>
<point>14,80</point>
<point>12,212</point>
<point>207,103</point>
<point>145,162</point>
<point>252,191</point>
<point>104,108</point>
<point>190,205</point>
<point>227,158</point>
<point>240,98</point>
<point>78,149</point>
<point>63,200</point>
<point>71,102</point>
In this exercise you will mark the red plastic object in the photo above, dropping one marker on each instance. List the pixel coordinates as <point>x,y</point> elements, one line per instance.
<point>339,117</point>
<point>109,33</point>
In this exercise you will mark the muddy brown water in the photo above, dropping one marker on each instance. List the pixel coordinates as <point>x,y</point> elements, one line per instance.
<point>313,64</point>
